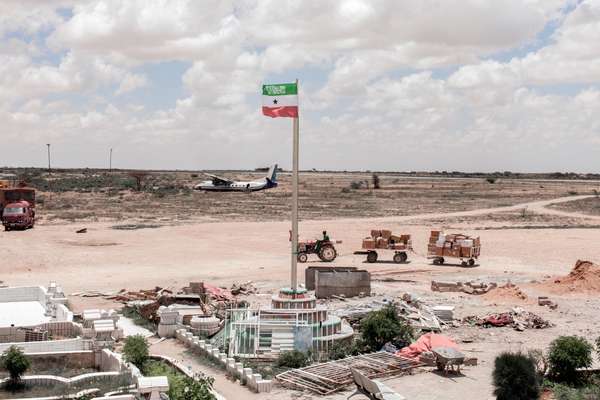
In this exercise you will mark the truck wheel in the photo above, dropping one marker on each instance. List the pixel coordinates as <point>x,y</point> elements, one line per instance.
<point>302,257</point>
<point>400,257</point>
<point>372,256</point>
<point>471,262</point>
<point>327,253</point>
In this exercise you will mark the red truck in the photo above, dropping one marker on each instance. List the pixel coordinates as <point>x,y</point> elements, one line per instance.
<point>17,208</point>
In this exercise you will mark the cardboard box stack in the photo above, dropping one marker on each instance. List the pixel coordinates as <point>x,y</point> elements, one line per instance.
<point>452,245</point>
<point>384,239</point>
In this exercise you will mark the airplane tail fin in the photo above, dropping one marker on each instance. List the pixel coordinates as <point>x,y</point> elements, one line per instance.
<point>272,175</point>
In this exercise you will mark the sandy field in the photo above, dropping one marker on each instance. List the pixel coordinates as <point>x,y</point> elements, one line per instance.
<point>526,239</point>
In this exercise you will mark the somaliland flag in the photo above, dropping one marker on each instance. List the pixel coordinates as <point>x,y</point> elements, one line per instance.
<point>280,100</point>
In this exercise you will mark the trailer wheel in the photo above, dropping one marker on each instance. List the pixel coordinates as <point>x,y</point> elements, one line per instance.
<point>438,261</point>
<point>302,257</point>
<point>372,256</point>
<point>400,257</point>
<point>463,263</point>
<point>471,262</point>
<point>327,253</point>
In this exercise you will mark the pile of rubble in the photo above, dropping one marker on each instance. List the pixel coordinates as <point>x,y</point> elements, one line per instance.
<point>517,318</point>
<point>464,287</point>
<point>409,308</point>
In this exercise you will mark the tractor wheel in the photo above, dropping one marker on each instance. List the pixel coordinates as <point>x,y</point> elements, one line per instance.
<point>400,257</point>
<point>372,256</point>
<point>471,262</point>
<point>302,257</point>
<point>327,253</point>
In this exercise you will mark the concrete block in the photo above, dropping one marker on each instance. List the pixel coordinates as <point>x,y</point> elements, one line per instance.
<point>208,348</point>
<point>263,386</point>
<point>215,353</point>
<point>230,365</point>
<point>223,359</point>
<point>247,374</point>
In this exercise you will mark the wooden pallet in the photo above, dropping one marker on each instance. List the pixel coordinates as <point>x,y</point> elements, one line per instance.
<point>332,376</point>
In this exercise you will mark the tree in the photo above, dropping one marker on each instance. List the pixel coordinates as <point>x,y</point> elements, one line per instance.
<point>136,350</point>
<point>566,355</point>
<point>376,181</point>
<point>515,377</point>
<point>383,326</point>
<point>16,363</point>
<point>139,177</point>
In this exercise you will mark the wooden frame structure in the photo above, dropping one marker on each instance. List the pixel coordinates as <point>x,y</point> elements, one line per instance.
<point>329,377</point>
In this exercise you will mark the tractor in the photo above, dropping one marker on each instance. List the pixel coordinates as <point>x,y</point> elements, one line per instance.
<point>324,248</point>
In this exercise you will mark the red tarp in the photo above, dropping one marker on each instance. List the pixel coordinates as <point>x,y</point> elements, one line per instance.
<point>426,343</point>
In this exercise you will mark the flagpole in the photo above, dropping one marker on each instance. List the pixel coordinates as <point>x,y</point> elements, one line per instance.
<point>295,153</point>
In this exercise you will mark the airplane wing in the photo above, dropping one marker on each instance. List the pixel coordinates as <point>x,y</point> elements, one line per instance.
<point>217,180</point>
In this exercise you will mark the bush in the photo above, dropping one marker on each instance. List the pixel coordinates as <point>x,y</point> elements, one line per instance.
<point>491,179</point>
<point>197,389</point>
<point>515,377</point>
<point>383,326</point>
<point>566,355</point>
<point>562,392</point>
<point>193,389</point>
<point>16,363</point>
<point>376,182</point>
<point>136,350</point>
<point>293,359</point>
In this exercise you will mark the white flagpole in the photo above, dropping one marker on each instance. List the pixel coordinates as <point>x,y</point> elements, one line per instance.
<point>296,142</point>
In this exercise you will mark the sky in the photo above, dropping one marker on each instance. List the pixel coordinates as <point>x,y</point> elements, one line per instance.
<point>396,85</point>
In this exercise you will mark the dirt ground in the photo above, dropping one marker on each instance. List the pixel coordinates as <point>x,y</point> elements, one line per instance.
<point>523,247</point>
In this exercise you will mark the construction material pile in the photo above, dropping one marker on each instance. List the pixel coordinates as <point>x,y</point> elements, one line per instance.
<point>517,318</point>
<point>464,287</point>
<point>507,292</point>
<point>411,310</point>
<point>384,239</point>
<point>584,277</point>
<point>455,245</point>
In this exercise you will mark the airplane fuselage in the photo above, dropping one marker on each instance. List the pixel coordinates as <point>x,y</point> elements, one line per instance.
<point>250,186</point>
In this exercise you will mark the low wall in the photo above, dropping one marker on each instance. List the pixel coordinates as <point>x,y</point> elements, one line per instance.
<point>50,346</point>
<point>342,283</point>
<point>310,274</point>
<point>23,293</point>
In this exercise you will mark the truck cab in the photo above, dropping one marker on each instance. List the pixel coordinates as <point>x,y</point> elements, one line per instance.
<point>18,215</point>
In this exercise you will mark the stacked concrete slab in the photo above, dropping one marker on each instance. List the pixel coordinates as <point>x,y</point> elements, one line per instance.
<point>245,376</point>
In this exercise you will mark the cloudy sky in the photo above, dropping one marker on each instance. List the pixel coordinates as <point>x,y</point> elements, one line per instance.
<point>470,85</point>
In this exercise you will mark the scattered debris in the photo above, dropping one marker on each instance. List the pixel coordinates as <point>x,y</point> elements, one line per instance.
<point>131,227</point>
<point>243,288</point>
<point>517,318</point>
<point>508,291</point>
<point>444,313</point>
<point>545,301</point>
<point>465,287</point>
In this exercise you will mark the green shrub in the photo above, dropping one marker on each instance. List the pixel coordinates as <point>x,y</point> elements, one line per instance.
<point>563,392</point>
<point>491,179</point>
<point>193,389</point>
<point>566,355</point>
<point>16,363</point>
<point>136,350</point>
<point>383,326</point>
<point>293,359</point>
<point>515,377</point>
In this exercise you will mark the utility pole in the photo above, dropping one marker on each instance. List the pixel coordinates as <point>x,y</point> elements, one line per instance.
<point>295,157</point>
<point>49,167</point>
<point>110,161</point>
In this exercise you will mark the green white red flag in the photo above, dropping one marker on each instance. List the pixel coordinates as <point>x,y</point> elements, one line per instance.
<point>280,100</point>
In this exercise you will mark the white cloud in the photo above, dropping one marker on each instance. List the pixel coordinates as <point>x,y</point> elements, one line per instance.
<point>378,101</point>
